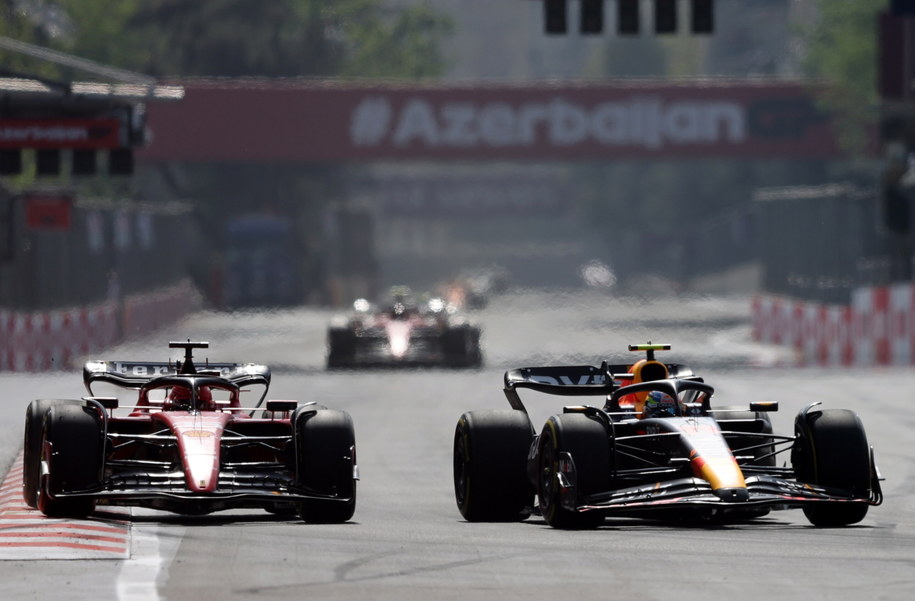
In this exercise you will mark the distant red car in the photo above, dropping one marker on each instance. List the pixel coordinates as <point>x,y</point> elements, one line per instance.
<point>403,333</point>
<point>188,445</point>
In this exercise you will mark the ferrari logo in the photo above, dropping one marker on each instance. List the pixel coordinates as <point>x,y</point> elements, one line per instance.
<point>198,433</point>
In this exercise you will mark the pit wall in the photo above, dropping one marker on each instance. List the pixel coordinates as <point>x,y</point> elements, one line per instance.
<point>877,329</point>
<point>62,339</point>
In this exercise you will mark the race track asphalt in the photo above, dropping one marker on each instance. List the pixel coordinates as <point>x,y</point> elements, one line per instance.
<point>407,540</point>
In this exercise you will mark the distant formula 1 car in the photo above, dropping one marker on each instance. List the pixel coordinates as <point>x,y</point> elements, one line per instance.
<point>403,333</point>
<point>657,448</point>
<point>188,445</point>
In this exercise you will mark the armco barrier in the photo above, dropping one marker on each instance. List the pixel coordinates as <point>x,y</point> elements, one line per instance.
<point>52,340</point>
<point>878,328</point>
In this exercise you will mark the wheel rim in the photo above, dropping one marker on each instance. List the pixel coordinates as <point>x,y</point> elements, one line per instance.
<point>547,477</point>
<point>461,476</point>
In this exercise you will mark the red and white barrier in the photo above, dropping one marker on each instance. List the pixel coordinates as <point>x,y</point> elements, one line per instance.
<point>878,328</point>
<point>51,340</point>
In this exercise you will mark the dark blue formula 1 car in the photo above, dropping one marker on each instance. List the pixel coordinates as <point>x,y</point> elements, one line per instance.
<point>656,447</point>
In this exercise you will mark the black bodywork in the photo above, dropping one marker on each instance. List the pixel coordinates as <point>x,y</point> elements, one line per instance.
<point>693,462</point>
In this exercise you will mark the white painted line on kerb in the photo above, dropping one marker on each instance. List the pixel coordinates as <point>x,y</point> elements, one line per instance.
<point>139,574</point>
<point>138,579</point>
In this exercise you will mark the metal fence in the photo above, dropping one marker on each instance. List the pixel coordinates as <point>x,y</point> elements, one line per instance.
<point>815,243</point>
<point>99,250</point>
<point>689,251</point>
<point>819,243</point>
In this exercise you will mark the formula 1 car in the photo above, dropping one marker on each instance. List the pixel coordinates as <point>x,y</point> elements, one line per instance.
<point>403,333</point>
<point>657,449</point>
<point>188,445</point>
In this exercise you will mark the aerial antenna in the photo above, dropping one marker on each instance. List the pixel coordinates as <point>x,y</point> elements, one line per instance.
<point>649,348</point>
<point>187,366</point>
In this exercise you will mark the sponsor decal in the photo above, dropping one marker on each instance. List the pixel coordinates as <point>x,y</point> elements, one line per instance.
<point>198,433</point>
<point>141,370</point>
<point>584,380</point>
<point>537,121</point>
<point>60,133</point>
<point>160,369</point>
<point>646,121</point>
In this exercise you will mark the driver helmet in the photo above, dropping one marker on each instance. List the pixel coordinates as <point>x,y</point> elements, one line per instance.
<point>644,371</point>
<point>179,397</point>
<point>205,399</point>
<point>658,404</point>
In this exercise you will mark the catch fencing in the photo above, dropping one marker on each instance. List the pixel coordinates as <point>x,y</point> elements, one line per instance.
<point>88,275</point>
<point>820,243</point>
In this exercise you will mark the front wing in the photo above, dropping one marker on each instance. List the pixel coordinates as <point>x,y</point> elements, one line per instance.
<point>764,492</point>
<point>169,492</point>
<point>425,349</point>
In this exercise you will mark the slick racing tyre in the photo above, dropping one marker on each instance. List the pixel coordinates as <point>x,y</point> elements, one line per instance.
<point>462,347</point>
<point>326,460</point>
<point>31,446</point>
<point>341,348</point>
<point>831,450</point>
<point>586,440</point>
<point>73,450</point>
<point>752,422</point>
<point>490,466</point>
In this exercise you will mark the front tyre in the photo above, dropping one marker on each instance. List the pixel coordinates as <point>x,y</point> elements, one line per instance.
<point>326,463</point>
<point>587,441</point>
<point>31,446</point>
<point>490,459</point>
<point>831,450</point>
<point>73,450</point>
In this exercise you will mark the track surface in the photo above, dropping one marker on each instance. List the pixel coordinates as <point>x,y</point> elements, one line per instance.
<point>408,541</point>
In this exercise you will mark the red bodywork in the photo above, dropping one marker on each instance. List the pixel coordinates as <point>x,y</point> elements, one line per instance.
<point>188,445</point>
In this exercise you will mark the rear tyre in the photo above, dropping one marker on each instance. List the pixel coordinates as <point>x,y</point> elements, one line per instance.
<point>341,348</point>
<point>462,347</point>
<point>326,460</point>
<point>72,447</point>
<point>757,422</point>
<point>831,450</point>
<point>587,441</point>
<point>31,446</point>
<point>490,466</point>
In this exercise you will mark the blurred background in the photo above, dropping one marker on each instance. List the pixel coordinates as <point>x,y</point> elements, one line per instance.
<point>161,156</point>
<point>732,177</point>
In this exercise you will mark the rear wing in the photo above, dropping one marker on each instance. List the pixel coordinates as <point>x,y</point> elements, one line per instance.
<point>133,374</point>
<point>576,380</point>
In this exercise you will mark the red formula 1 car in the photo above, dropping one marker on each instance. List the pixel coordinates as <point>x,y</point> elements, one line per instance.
<point>187,444</point>
<point>403,333</point>
<point>656,448</point>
